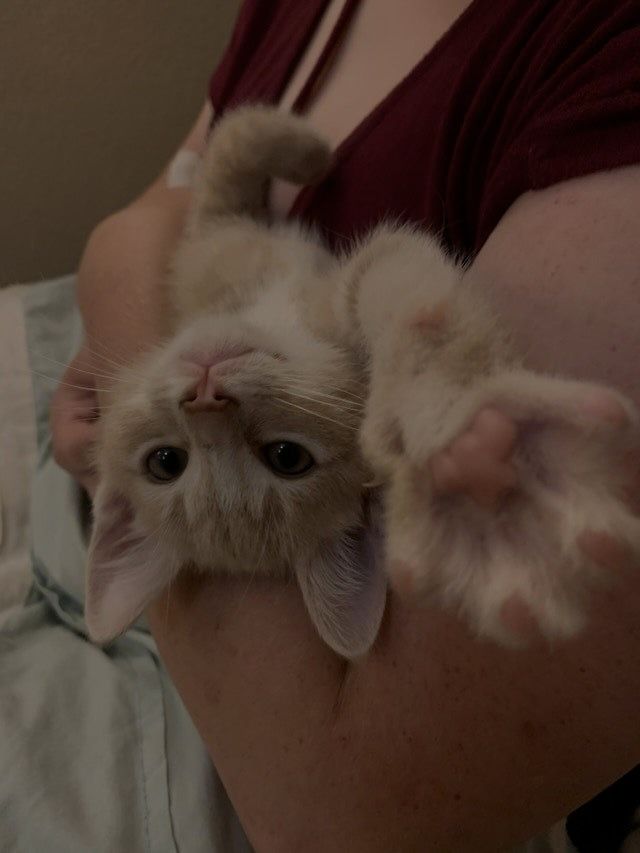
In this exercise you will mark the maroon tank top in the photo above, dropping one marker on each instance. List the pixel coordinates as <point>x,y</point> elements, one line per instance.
<point>515,96</point>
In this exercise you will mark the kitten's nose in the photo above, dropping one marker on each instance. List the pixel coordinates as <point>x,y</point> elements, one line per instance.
<point>209,395</point>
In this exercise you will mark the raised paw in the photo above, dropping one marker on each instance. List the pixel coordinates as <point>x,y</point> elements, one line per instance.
<point>490,521</point>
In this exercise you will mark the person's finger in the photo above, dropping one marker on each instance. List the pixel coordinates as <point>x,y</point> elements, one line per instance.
<point>73,440</point>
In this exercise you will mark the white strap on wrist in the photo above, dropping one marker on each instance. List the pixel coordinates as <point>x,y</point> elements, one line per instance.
<point>183,169</point>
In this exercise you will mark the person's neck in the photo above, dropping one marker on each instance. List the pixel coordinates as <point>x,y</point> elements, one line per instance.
<point>379,48</point>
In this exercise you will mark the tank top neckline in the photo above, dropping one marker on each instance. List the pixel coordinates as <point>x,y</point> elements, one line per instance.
<point>328,54</point>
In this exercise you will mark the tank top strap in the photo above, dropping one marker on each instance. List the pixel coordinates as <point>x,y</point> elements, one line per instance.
<point>327,55</point>
<point>269,40</point>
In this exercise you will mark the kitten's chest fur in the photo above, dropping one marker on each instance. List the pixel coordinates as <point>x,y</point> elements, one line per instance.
<point>277,279</point>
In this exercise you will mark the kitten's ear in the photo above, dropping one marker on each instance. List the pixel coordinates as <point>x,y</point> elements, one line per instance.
<point>344,587</point>
<point>125,570</point>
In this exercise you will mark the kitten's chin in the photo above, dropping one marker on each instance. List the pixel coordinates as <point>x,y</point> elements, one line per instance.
<point>246,569</point>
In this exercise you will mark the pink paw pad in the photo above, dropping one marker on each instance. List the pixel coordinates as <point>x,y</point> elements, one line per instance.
<point>478,463</point>
<point>432,320</point>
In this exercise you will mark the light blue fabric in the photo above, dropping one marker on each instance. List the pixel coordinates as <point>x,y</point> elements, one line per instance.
<point>96,750</point>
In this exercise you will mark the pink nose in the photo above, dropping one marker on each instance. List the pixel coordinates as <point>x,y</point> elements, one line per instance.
<point>209,395</point>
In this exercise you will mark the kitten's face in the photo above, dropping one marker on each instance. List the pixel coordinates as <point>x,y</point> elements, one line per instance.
<point>253,475</point>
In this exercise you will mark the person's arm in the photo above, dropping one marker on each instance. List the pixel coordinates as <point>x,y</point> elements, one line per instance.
<point>127,253</point>
<point>437,741</point>
<point>120,274</point>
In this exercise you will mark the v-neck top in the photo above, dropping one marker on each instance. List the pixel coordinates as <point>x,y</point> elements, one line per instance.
<point>513,97</point>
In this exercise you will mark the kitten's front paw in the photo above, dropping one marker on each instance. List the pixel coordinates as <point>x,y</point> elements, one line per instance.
<point>489,523</point>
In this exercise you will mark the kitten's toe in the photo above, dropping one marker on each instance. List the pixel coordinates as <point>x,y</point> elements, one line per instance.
<point>518,620</point>
<point>606,407</point>
<point>607,552</point>
<point>478,463</point>
<point>405,577</point>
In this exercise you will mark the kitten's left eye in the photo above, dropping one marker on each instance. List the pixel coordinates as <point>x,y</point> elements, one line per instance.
<point>165,464</point>
<point>287,458</point>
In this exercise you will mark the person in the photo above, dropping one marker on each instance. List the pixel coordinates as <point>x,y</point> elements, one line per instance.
<point>515,133</point>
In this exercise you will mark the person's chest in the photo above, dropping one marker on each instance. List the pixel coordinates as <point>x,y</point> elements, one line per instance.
<point>375,49</point>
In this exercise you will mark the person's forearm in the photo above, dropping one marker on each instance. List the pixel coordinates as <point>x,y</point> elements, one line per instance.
<point>435,742</point>
<point>127,254</point>
<point>122,270</point>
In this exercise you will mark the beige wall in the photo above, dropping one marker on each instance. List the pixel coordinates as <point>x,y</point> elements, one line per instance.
<point>94,96</point>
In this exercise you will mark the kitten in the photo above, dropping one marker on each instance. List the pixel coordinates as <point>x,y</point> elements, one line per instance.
<point>290,380</point>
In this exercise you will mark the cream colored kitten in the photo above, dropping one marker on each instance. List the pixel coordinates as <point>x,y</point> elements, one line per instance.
<point>291,379</point>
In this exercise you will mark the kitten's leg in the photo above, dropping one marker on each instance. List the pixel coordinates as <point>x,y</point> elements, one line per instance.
<point>493,471</point>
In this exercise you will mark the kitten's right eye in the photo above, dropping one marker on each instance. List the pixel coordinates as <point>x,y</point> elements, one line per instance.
<point>287,459</point>
<point>165,464</point>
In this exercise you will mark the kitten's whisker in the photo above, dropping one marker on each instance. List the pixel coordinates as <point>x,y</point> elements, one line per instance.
<point>74,404</point>
<point>100,358</point>
<point>341,390</point>
<point>320,395</point>
<point>251,577</point>
<point>315,414</point>
<point>111,376</point>
<point>332,402</point>
<point>106,354</point>
<point>343,381</point>
<point>355,401</point>
<point>252,574</point>
<point>119,365</point>
<point>63,408</point>
<point>256,567</point>
<point>71,384</point>
<point>54,407</point>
